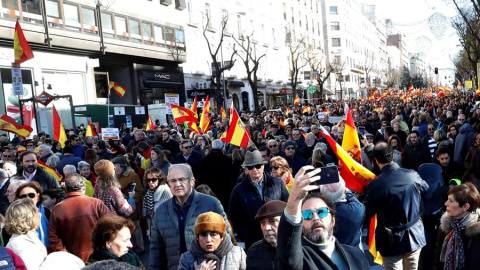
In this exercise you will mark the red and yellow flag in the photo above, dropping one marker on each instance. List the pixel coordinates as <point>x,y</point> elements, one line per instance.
<point>90,131</point>
<point>350,142</point>
<point>22,50</point>
<point>205,117</point>
<point>58,129</point>
<point>120,90</point>
<point>236,133</point>
<point>281,123</point>
<point>193,126</point>
<point>306,109</point>
<point>8,124</point>
<point>150,124</point>
<point>477,92</point>
<point>296,101</point>
<point>372,247</point>
<point>50,170</point>
<point>288,111</point>
<point>410,88</point>
<point>194,105</point>
<point>223,113</point>
<point>182,114</point>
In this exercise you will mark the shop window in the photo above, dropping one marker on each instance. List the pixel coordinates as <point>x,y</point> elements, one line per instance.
<point>89,21</point>
<point>158,31</point>
<point>147,33</point>
<point>10,9</point>
<point>54,17</point>
<point>121,31</point>
<point>31,12</point>
<point>72,19</point>
<point>107,25</point>
<point>135,30</point>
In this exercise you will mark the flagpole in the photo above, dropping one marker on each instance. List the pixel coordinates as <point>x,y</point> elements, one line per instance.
<point>108,107</point>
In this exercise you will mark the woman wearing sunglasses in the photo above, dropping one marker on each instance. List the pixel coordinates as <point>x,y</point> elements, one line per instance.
<point>212,247</point>
<point>280,169</point>
<point>157,192</point>
<point>33,192</point>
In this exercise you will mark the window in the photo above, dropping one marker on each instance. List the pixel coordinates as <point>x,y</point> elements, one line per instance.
<point>306,22</point>
<point>225,17</point>
<point>31,12</point>
<point>239,22</point>
<point>335,26</point>
<point>169,36</point>
<point>107,25</point>
<point>299,18</point>
<point>135,30</point>
<point>10,9</point>
<point>180,38</point>
<point>158,31</point>
<point>121,31</point>
<point>336,42</point>
<point>333,10</point>
<point>89,21</point>
<point>293,19</point>
<point>338,60</point>
<point>284,12</point>
<point>53,14</point>
<point>72,19</point>
<point>147,32</point>
<point>208,14</point>
<point>190,11</point>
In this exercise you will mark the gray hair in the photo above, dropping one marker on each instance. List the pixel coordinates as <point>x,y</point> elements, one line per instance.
<point>15,182</point>
<point>184,167</point>
<point>217,144</point>
<point>310,135</point>
<point>74,182</point>
<point>336,191</point>
<point>82,164</point>
<point>322,146</point>
<point>68,169</point>
<point>45,147</point>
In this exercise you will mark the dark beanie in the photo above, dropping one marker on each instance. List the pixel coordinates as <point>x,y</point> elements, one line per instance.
<point>68,150</point>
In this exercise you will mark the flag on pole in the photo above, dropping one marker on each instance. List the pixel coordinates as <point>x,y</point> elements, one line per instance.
<point>372,247</point>
<point>58,130</point>
<point>90,131</point>
<point>288,111</point>
<point>120,90</point>
<point>477,92</point>
<point>194,105</point>
<point>281,123</point>
<point>205,117</point>
<point>193,126</point>
<point>22,50</point>
<point>350,142</point>
<point>50,170</point>
<point>306,109</point>
<point>223,113</point>
<point>410,88</point>
<point>8,124</point>
<point>236,133</point>
<point>296,101</point>
<point>182,114</point>
<point>150,124</point>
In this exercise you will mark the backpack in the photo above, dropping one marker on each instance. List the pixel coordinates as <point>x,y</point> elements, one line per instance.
<point>6,261</point>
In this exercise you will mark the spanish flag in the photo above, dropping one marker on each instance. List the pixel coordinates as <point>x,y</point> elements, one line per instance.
<point>410,88</point>
<point>8,124</point>
<point>90,131</point>
<point>182,114</point>
<point>205,117</point>
<point>372,247</point>
<point>281,123</point>
<point>58,130</point>
<point>236,134</point>
<point>120,90</point>
<point>193,126</point>
<point>223,113</point>
<point>50,170</point>
<point>296,101</point>
<point>194,105</point>
<point>350,142</point>
<point>23,52</point>
<point>150,124</point>
<point>306,109</point>
<point>477,92</point>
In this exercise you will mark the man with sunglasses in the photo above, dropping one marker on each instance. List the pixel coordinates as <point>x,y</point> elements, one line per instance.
<point>395,196</point>
<point>314,215</point>
<point>189,156</point>
<point>294,160</point>
<point>77,145</point>
<point>254,190</point>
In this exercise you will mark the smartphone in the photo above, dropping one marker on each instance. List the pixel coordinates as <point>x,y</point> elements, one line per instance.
<point>328,175</point>
<point>132,187</point>
<point>361,129</point>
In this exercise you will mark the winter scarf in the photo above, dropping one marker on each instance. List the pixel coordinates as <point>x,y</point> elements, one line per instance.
<point>222,250</point>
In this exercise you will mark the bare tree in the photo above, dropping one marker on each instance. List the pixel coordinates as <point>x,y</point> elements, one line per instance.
<point>297,48</point>
<point>175,51</point>
<point>322,71</point>
<point>251,60</point>
<point>368,67</point>
<point>215,50</point>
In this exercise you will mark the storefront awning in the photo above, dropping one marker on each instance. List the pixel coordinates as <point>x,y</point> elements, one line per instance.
<point>236,84</point>
<point>162,84</point>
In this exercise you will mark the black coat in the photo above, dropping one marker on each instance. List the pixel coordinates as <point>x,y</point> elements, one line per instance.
<point>415,155</point>
<point>4,203</point>
<point>43,178</point>
<point>193,160</point>
<point>295,252</point>
<point>245,202</point>
<point>395,197</point>
<point>216,171</point>
<point>261,256</point>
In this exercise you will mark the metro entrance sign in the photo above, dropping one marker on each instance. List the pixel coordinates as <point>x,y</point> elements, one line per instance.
<point>312,89</point>
<point>44,98</point>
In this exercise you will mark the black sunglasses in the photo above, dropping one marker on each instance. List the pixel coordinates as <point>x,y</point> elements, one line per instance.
<point>276,167</point>
<point>272,146</point>
<point>258,166</point>
<point>30,195</point>
<point>151,180</point>
<point>187,147</point>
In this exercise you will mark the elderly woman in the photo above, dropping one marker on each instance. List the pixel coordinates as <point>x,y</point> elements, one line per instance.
<point>280,169</point>
<point>212,248</point>
<point>461,222</point>
<point>21,221</point>
<point>107,190</point>
<point>32,191</point>
<point>157,192</point>
<point>111,241</point>
<point>85,170</point>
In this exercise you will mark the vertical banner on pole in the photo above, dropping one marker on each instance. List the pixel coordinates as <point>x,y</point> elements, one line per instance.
<point>478,75</point>
<point>17,82</point>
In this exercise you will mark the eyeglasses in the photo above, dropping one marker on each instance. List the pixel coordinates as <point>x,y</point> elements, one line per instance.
<point>272,146</point>
<point>30,195</point>
<point>7,156</point>
<point>430,129</point>
<point>276,167</point>
<point>180,180</point>
<point>212,234</point>
<point>322,212</point>
<point>369,138</point>
<point>258,166</point>
<point>289,148</point>
<point>151,180</point>
<point>295,134</point>
<point>187,147</point>
<point>461,119</point>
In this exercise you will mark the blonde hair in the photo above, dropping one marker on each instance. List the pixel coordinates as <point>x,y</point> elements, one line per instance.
<point>20,217</point>
<point>280,161</point>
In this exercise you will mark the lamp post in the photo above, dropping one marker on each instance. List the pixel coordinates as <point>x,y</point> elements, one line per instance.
<point>340,79</point>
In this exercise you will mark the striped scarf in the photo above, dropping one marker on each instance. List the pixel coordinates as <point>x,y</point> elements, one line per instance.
<point>149,203</point>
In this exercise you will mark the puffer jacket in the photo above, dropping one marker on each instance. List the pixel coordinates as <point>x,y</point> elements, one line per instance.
<point>463,142</point>
<point>235,259</point>
<point>164,242</point>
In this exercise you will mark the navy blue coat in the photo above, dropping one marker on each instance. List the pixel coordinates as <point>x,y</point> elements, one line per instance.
<point>349,221</point>
<point>395,197</point>
<point>245,202</point>
<point>193,161</point>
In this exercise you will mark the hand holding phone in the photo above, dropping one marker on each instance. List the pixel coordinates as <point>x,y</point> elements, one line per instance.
<point>328,175</point>
<point>131,190</point>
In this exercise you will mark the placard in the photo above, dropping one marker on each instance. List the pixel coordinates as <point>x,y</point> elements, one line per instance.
<point>119,110</point>
<point>171,99</point>
<point>110,133</point>
<point>17,83</point>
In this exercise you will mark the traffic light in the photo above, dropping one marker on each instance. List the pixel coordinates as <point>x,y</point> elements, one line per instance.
<point>436,70</point>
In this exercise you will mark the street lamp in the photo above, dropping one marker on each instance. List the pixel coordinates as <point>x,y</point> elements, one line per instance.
<point>340,79</point>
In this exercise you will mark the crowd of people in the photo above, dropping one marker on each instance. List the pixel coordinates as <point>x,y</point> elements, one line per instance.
<point>206,204</point>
